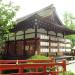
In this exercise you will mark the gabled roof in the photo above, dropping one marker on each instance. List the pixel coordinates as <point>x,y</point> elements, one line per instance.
<point>48,14</point>
<point>46,18</point>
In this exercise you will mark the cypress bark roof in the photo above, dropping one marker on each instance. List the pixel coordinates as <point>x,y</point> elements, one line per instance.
<point>46,18</point>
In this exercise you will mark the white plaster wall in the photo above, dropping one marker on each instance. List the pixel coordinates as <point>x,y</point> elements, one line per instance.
<point>38,35</point>
<point>44,50</point>
<point>52,33</point>
<point>68,50</point>
<point>42,36</point>
<point>11,34</point>
<point>54,50</point>
<point>61,44</point>
<point>41,30</point>
<point>44,43</point>
<point>12,38</point>
<point>30,30</point>
<point>54,44</point>
<point>60,34</point>
<point>53,38</point>
<point>61,39</point>
<point>67,41</point>
<point>19,37</point>
<point>68,45</point>
<point>30,35</point>
<point>62,50</point>
<point>19,33</point>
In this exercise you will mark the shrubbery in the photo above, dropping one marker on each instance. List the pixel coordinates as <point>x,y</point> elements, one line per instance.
<point>42,57</point>
<point>39,57</point>
<point>67,73</point>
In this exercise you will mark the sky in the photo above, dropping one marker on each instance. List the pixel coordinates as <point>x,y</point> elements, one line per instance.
<point>30,6</point>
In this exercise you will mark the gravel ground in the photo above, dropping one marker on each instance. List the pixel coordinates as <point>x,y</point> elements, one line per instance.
<point>71,66</point>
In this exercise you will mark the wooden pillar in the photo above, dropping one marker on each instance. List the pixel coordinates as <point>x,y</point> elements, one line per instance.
<point>24,44</point>
<point>7,50</point>
<point>57,44</point>
<point>49,45</point>
<point>15,44</point>
<point>36,24</point>
<point>8,36</point>
<point>8,41</point>
<point>64,41</point>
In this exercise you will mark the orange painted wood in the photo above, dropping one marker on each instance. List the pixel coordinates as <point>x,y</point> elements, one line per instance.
<point>21,66</point>
<point>24,61</point>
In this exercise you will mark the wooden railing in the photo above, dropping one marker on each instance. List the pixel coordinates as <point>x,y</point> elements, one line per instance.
<point>51,68</point>
<point>51,59</point>
<point>25,61</point>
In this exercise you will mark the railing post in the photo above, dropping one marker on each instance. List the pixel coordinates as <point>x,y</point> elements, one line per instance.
<point>36,69</point>
<point>44,68</point>
<point>0,72</point>
<point>64,65</point>
<point>20,67</point>
<point>17,62</point>
<point>53,73</point>
<point>20,70</point>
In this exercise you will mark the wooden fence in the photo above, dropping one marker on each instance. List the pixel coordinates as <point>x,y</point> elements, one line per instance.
<point>50,68</point>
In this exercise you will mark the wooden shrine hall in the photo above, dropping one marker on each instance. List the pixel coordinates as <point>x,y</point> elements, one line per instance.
<point>41,32</point>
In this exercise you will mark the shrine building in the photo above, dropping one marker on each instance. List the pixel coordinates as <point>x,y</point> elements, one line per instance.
<point>41,32</point>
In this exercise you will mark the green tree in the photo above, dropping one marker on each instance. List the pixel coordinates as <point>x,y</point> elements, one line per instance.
<point>69,22</point>
<point>7,13</point>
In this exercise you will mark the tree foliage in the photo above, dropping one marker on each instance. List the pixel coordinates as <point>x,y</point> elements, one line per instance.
<point>7,13</point>
<point>69,22</point>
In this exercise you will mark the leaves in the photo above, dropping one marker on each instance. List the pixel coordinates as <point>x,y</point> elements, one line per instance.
<point>7,13</point>
<point>70,23</point>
